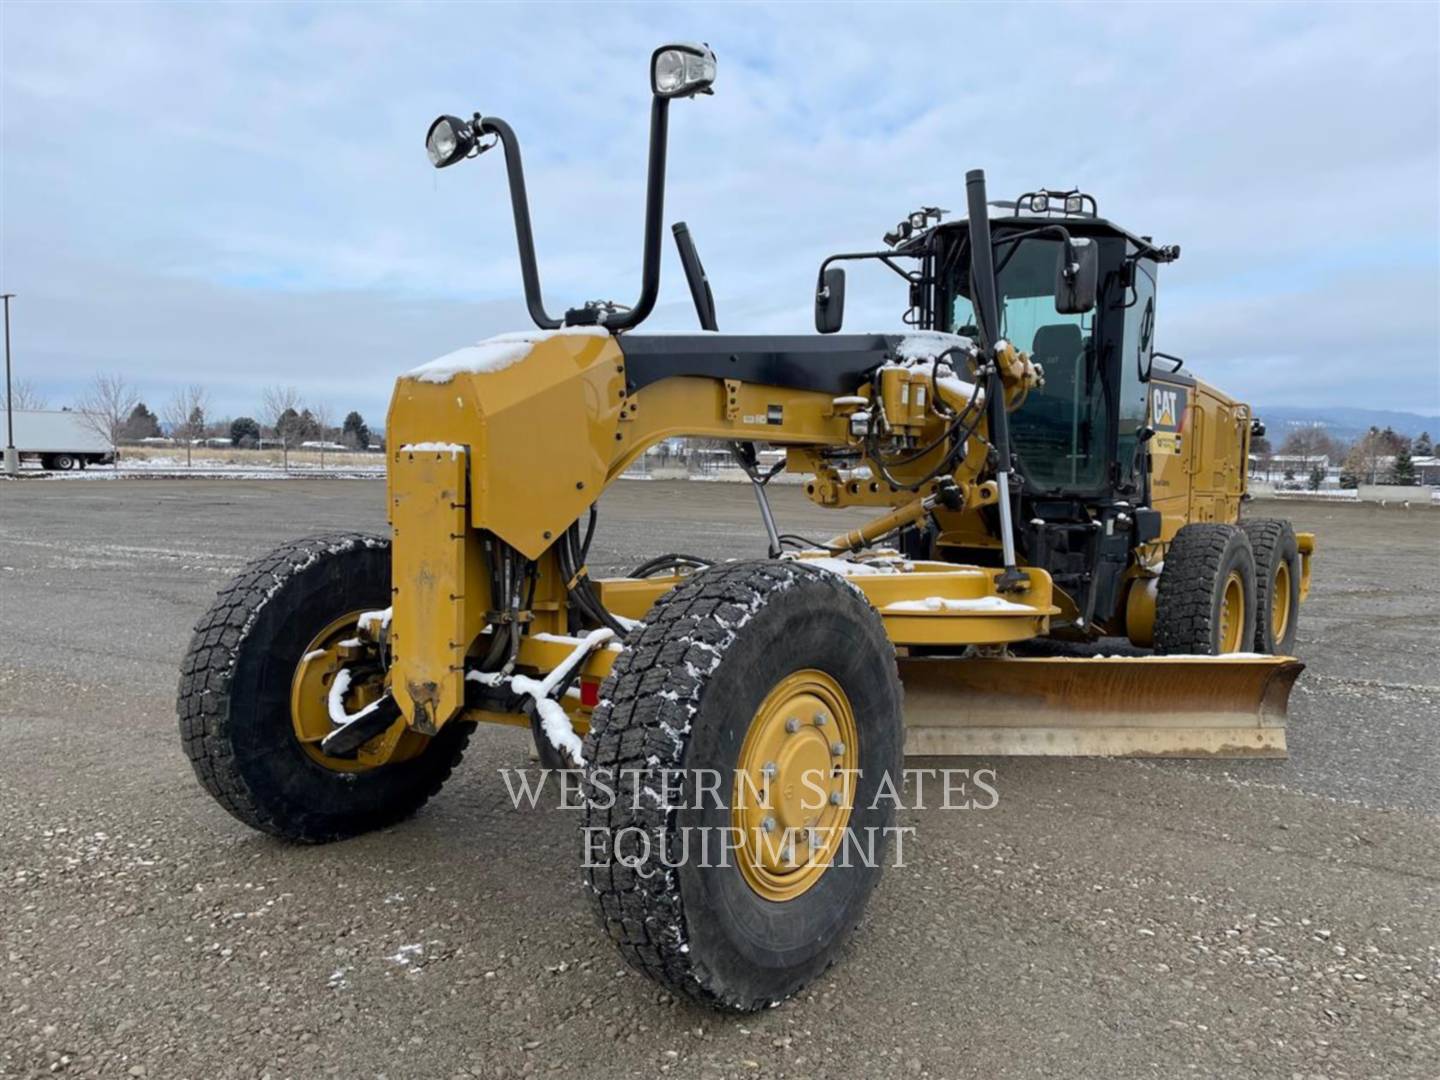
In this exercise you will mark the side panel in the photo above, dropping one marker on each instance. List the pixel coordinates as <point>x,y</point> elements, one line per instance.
<point>429,577</point>
<point>1217,456</point>
<point>540,428</point>
<point>1170,415</point>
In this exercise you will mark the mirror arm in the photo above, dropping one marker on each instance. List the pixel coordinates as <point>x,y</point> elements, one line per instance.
<point>883,256</point>
<point>654,211</point>
<point>524,235</point>
<point>1059,231</point>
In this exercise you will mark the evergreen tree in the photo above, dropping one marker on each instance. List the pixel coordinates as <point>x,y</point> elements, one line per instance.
<point>357,434</point>
<point>1391,441</point>
<point>1423,446</point>
<point>141,424</point>
<point>288,427</point>
<point>244,432</point>
<point>1402,472</point>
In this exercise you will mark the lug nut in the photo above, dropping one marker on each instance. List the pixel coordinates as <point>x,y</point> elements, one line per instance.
<point>768,824</point>
<point>835,799</point>
<point>769,770</point>
<point>820,719</point>
<point>837,748</point>
<point>792,725</point>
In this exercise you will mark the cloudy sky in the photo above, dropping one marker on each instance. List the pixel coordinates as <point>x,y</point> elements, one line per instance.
<point>238,195</point>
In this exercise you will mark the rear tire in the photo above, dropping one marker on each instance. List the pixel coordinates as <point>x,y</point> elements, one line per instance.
<point>1205,600</point>
<point>64,462</point>
<point>687,695</point>
<point>234,698</point>
<point>1277,584</point>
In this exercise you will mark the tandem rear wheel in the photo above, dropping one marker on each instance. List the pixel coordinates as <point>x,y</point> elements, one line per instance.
<point>1277,584</point>
<point>779,680</point>
<point>1205,600</point>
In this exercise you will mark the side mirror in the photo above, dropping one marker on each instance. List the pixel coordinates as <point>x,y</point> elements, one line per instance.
<point>1076,282</point>
<point>830,301</point>
<point>1144,357</point>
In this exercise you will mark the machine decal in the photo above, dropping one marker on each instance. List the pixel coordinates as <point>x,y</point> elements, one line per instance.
<point>1167,417</point>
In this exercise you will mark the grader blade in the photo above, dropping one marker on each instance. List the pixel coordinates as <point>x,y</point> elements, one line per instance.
<point>1166,706</point>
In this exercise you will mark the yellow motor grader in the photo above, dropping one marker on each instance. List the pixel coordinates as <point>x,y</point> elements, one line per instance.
<point>1042,478</point>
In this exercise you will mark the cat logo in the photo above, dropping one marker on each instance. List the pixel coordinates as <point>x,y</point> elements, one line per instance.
<point>1165,407</point>
<point>1167,417</point>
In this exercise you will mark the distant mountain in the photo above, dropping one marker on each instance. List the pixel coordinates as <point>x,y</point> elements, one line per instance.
<point>1342,421</point>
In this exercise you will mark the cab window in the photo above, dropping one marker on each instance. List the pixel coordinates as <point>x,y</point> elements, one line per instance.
<point>1137,341</point>
<point>1059,436</point>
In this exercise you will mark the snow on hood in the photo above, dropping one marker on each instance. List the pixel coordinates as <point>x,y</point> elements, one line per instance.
<point>493,354</point>
<point>928,344</point>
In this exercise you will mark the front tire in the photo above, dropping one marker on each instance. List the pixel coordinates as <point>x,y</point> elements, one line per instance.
<point>776,672</point>
<point>1205,600</point>
<point>236,707</point>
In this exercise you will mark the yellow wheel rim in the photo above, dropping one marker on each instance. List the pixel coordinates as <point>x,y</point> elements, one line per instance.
<point>1280,602</point>
<point>794,782</point>
<point>310,703</point>
<point>1232,613</point>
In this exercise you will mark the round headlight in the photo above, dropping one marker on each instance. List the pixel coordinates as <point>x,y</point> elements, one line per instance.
<point>682,70</point>
<point>669,71</point>
<point>442,143</point>
<point>1039,204</point>
<point>449,140</point>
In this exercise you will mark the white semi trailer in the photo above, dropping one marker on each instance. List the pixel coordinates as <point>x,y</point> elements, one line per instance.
<point>58,440</point>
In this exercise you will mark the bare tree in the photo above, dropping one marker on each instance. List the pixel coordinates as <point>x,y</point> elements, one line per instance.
<point>324,417</point>
<point>185,413</point>
<point>106,407</point>
<point>279,410</point>
<point>1310,444</point>
<point>1366,456</point>
<point>26,395</point>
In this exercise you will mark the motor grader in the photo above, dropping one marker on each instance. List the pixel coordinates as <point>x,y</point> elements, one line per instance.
<point>1042,478</point>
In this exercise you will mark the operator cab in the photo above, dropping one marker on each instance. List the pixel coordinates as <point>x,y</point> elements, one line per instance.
<point>1078,435</point>
<point>1077,441</point>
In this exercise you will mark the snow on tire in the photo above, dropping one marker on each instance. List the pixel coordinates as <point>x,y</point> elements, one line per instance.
<point>678,702</point>
<point>234,697</point>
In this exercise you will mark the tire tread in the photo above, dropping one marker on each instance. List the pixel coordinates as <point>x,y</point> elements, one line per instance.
<point>203,700</point>
<point>638,729</point>
<point>1184,602</point>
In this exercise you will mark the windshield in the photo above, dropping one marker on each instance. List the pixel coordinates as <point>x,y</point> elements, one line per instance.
<point>1060,434</point>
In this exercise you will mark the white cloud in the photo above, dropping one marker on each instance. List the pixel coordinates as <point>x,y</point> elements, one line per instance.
<point>238,193</point>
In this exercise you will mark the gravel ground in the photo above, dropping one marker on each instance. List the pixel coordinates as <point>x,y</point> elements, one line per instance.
<point>1106,918</point>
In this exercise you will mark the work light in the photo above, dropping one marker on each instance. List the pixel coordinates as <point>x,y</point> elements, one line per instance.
<point>449,140</point>
<point>1039,204</point>
<point>682,70</point>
